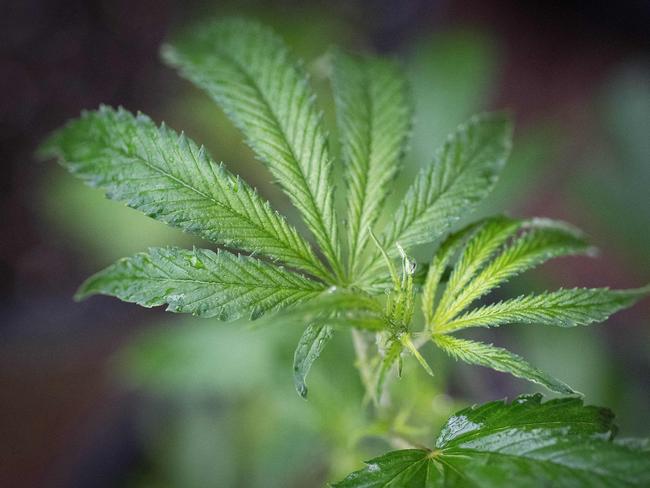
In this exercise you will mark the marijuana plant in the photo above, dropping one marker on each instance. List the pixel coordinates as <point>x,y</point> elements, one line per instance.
<point>359,277</point>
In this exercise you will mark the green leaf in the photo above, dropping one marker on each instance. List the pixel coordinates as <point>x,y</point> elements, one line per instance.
<point>542,240</point>
<point>478,424</point>
<point>398,469</point>
<point>168,177</point>
<point>311,344</point>
<point>392,355</point>
<point>251,74</point>
<point>559,443</point>
<point>400,303</point>
<point>488,238</point>
<point>438,266</point>
<point>374,119</point>
<point>201,282</point>
<point>407,342</point>
<point>499,359</point>
<point>564,308</point>
<point>462,174</point>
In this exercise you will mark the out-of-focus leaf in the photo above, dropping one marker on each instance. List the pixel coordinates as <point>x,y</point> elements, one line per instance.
<point>79,216</point>
<point>190,358</point>
<point>452,75</point>
<point>614,178</point>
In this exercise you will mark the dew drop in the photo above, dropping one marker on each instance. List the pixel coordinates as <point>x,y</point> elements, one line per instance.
<point>196,262</point>
<point>412,266</point>
<point>235,185</point>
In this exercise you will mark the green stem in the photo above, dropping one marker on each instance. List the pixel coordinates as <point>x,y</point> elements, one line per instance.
<point>362,364</point>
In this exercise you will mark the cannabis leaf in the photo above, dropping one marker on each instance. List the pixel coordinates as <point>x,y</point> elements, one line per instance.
<point>463,172</point>
<point>490,235</point>
<point>251,74</point>
<point>374,117</point>
<point>438,266</point>
<point>542,241</point>
<point>559,443</point>
<point>345,283</point>
<point>170,178</point>
<point>495,250</point>
<point>564,308</point>
<point>201,282</point>
<point>499,359</point>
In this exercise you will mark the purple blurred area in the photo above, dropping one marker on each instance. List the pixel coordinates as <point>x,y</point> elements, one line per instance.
<point>62,421</point>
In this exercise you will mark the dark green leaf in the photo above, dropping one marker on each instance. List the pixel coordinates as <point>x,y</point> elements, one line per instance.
<point>560,443</point>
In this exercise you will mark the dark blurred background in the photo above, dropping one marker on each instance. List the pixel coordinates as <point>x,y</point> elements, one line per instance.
<point>104,393</point>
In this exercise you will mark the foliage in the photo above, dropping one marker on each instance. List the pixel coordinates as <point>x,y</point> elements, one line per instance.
<point>357,279</point>
<point>523,443</point>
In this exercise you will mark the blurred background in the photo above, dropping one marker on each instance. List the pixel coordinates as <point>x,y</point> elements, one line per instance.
<point>104,393</point>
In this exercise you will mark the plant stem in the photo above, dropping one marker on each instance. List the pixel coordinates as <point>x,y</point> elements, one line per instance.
<point>361,352</point>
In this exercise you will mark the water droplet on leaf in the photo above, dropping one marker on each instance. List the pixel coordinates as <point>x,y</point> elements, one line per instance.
<point>196,262</point>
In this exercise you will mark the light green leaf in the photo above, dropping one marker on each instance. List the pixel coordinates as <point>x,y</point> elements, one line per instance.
<point>392,355</point>
<point>374,119</point>
<point>251,74</point>
<point>499,359</point>
<point>463,172</point>
<point>559,443</point>
<point>441,260</point>
<point>543,240</point>
<point>564,308</point>
<point>168,177</point>
<point>311,344</point>
<point>201,282</point>
<point>407,342</point>
<point>487,239</point>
